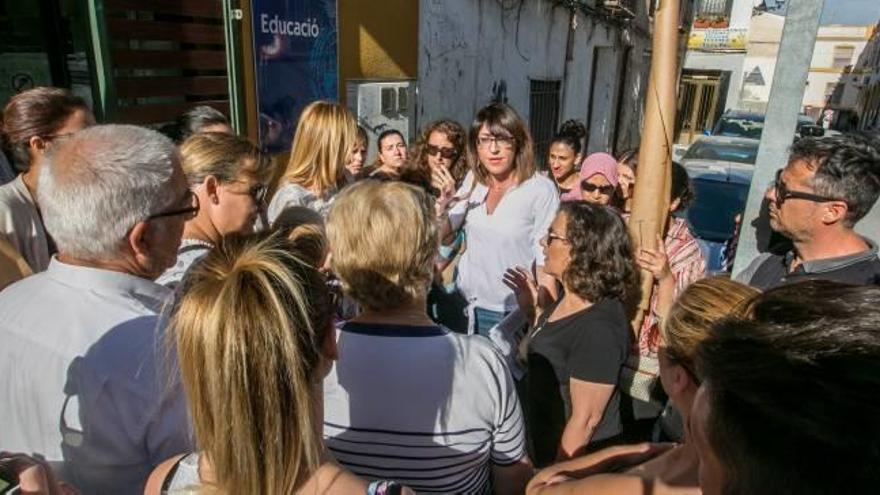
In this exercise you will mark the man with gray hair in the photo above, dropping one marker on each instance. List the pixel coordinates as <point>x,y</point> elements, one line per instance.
<point>81,369</point>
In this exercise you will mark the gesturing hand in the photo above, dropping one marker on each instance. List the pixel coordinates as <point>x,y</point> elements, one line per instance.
<point>525,287</point>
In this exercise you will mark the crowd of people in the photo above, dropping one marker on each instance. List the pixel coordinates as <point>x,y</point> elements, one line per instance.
<point>181,313</point>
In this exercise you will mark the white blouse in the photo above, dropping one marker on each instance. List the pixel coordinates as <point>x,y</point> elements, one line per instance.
<point>510,236</point>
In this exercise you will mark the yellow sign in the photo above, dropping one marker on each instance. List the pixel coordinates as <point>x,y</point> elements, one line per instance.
<point>718,40</point>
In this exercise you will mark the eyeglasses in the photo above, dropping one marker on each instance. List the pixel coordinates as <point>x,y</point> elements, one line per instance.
<point>191,210</point>
<point>502,142</point>
<point>783,193</point>
<point>447,153</point>
<point>553,236</point>
<point>590,187</point>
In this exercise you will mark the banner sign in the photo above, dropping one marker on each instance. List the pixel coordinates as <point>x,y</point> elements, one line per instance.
<point>718,40</point>
<point>295,53</point>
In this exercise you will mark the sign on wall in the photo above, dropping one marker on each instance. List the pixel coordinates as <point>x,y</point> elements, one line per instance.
<point>296,63</point>
<point>718,40</point>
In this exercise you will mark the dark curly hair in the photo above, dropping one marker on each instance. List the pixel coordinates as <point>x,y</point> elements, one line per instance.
<point>456,134</point>
<point>847,167</point>
<point>571,133</point>
<point>602,265</point>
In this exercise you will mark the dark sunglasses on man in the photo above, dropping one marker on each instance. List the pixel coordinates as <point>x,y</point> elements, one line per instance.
<point>448,153</point>
<point>590,187</point>
<point>783,193</point>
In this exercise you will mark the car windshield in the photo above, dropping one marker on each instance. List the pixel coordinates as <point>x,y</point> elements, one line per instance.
<point>711,215</point>
<point>739,127</point>
<point>728,152</point>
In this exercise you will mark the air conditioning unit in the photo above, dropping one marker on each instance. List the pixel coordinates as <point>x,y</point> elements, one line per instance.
<point>622,8</point>
<point>382,105</point>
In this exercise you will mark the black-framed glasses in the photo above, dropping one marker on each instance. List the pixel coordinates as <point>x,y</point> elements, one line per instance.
<point>589,187</point>
<point>448,153</point>
<point>190,210</point>
<point>553,236</point>
<point>783,193</point>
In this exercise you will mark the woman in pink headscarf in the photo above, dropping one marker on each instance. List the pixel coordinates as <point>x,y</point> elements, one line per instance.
<point>598,181</point>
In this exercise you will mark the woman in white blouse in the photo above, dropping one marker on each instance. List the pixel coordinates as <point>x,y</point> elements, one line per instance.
<point>325,141</point>
<point>32,121</point>
<point>504,207</point>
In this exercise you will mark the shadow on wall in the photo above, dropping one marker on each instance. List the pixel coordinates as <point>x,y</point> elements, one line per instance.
<point>391,31</point>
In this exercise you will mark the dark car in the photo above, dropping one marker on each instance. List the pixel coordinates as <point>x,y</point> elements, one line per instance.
<point>721,190</point>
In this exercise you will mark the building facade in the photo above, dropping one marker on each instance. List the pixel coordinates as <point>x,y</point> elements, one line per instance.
<point>550,61</point>
<point>401,63</point>
<point>868,67</point>
<point>710,81</point>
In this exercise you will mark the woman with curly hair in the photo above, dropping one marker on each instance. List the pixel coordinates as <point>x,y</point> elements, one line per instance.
<point>578,344</point>
<point>441,146</point>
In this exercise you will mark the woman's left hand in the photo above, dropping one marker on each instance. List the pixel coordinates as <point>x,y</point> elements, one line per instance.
<point>655,261</point>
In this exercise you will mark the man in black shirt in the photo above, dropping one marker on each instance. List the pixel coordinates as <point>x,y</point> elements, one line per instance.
<point>828,185</point>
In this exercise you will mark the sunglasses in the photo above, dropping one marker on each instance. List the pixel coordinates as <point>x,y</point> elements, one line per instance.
<point>448,153</point>
<point>590,187</point>
<point>257,191</point>
<point>783,193</point>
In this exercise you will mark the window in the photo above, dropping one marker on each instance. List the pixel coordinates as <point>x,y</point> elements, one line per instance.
<point>843,56</point>
<point>543,115</point>
<point>829,90</point>
<point>713,7</point>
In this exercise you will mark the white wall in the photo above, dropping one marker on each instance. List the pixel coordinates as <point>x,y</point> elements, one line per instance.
<point>471,50</point>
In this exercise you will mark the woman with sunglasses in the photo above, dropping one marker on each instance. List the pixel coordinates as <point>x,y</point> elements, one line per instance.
<point>597,181</point>
<point>441,147</point>
<point>228,176</point>
<point>32,121</point>
<point>577,346</point>
<point>626,470</point>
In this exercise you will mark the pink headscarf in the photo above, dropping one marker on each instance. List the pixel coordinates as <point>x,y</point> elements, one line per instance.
<point>596,163</point>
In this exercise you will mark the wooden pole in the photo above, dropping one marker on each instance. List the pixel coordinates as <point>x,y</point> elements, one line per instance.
<point>650,209</point>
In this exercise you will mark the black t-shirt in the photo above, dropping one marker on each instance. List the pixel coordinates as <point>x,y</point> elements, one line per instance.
<point>590,345</point>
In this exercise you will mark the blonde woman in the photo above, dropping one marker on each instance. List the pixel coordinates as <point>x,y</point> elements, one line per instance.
<point>408,398</point>
<point>228,176</point>
<point>323,145</point>
<point>675,469</point>
<point>259,318</point>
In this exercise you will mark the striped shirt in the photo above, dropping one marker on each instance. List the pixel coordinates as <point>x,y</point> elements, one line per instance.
<point>422,406</point>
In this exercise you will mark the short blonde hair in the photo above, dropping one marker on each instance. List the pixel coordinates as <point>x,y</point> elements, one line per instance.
<point>383,241</point>
<point>702,304</point>
<point>325,136</point>
<point>224,156</point>
<point>248,333</point>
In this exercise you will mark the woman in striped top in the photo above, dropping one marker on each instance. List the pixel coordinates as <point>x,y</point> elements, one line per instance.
<point>409,400</point>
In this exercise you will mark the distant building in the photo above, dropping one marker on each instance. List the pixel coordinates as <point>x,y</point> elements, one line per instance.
<point>868,67</point>
<point>713,66</point>
<point>831,95</point>
<point>837,72</point>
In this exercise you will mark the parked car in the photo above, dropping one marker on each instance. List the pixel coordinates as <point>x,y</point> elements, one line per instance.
<point>720,169</point>
<point>740,123</point>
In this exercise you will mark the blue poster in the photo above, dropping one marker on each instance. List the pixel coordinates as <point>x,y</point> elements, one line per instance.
<point>295,56</point>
